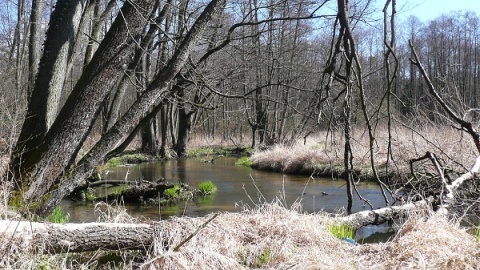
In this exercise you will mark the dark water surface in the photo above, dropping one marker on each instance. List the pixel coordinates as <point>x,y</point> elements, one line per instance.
<point>236,185</point>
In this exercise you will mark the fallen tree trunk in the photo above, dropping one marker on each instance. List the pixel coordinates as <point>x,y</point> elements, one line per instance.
<point>78,237</point>
<point>382,215</point>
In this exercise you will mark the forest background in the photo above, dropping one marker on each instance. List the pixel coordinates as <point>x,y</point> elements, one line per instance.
<point>82,80</point>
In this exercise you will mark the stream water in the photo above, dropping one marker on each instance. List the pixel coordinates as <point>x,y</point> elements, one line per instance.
<point>237,187</point>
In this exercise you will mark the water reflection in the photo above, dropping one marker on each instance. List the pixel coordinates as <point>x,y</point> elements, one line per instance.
<point>236,186</point>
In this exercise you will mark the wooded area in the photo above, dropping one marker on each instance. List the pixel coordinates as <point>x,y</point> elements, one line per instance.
<point>254,72</point>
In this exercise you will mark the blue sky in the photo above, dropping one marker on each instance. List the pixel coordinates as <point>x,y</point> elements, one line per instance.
<point>427,10</point>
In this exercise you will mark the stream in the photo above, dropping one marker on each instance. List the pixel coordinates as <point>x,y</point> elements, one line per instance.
<point>237,187</point>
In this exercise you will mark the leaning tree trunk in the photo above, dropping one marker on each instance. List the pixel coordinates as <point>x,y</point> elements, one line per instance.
<point>45,95</point>
<point>51,157</point>
<point>155,92</point>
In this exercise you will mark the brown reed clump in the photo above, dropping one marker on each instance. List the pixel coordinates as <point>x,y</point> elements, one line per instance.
<point>269,237</point>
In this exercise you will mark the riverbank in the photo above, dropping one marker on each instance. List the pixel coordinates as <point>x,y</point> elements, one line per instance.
<point>268,237</point>
<point>322,154</point>
<point>307,160</point>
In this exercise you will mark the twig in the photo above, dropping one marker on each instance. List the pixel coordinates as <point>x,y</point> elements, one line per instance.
<point>194,233</point>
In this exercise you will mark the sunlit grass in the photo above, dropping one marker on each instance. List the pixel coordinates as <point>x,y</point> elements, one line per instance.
<point>207,187</point>
<point>341,230</point>
<point>244,161</point>
<point>172,192</point>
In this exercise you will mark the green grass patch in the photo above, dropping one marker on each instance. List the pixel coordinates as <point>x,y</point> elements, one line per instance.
<point>89,195</point>
<point>172,192</point>
<point>341,230</point>
<point>119,190</point>
<point>58,216</point>
<point>244,161</point>
<point>207,187</point>
<point>197,152</point>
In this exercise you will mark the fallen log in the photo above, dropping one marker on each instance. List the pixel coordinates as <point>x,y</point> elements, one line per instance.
<point>137,192</point>
<point>79,237</point>
<point>382,215</point>
<point>118,182</point>
<point>76,237</point>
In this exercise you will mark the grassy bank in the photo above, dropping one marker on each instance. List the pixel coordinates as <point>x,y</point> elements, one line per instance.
<point>307,160</point>
<point>322,155</point>
<point>270,237</point>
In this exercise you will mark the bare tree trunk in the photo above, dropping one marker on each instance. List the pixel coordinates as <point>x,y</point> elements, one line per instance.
<point>34,42</point>
<point>50,157</point>
<point>44,99</point>
<point>156,91</point>
<point>163,130</point>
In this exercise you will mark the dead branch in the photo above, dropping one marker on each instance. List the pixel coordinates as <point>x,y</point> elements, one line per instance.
<point>465,125</point>
<point>382,215</point>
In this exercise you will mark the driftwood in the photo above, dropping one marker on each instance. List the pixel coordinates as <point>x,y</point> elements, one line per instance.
<point>135,192</point>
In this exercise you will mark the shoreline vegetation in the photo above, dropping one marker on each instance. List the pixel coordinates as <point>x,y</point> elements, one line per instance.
<point>270,236</point>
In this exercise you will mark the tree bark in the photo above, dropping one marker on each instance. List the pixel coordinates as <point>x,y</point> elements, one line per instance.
<point>156,91</point>
<point>73,237</point>
<point>51,157</point>
<point>51,75</point>
<point>34,42</point>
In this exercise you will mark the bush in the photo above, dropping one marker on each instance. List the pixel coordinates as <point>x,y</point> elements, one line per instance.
<point>207,187</point>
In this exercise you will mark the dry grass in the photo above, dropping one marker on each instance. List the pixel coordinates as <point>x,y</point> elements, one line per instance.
<point>273,237</point>
<point>268,237</point>
<point>202,140</point>
<point>424,243</point>
<point>453,148</point>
